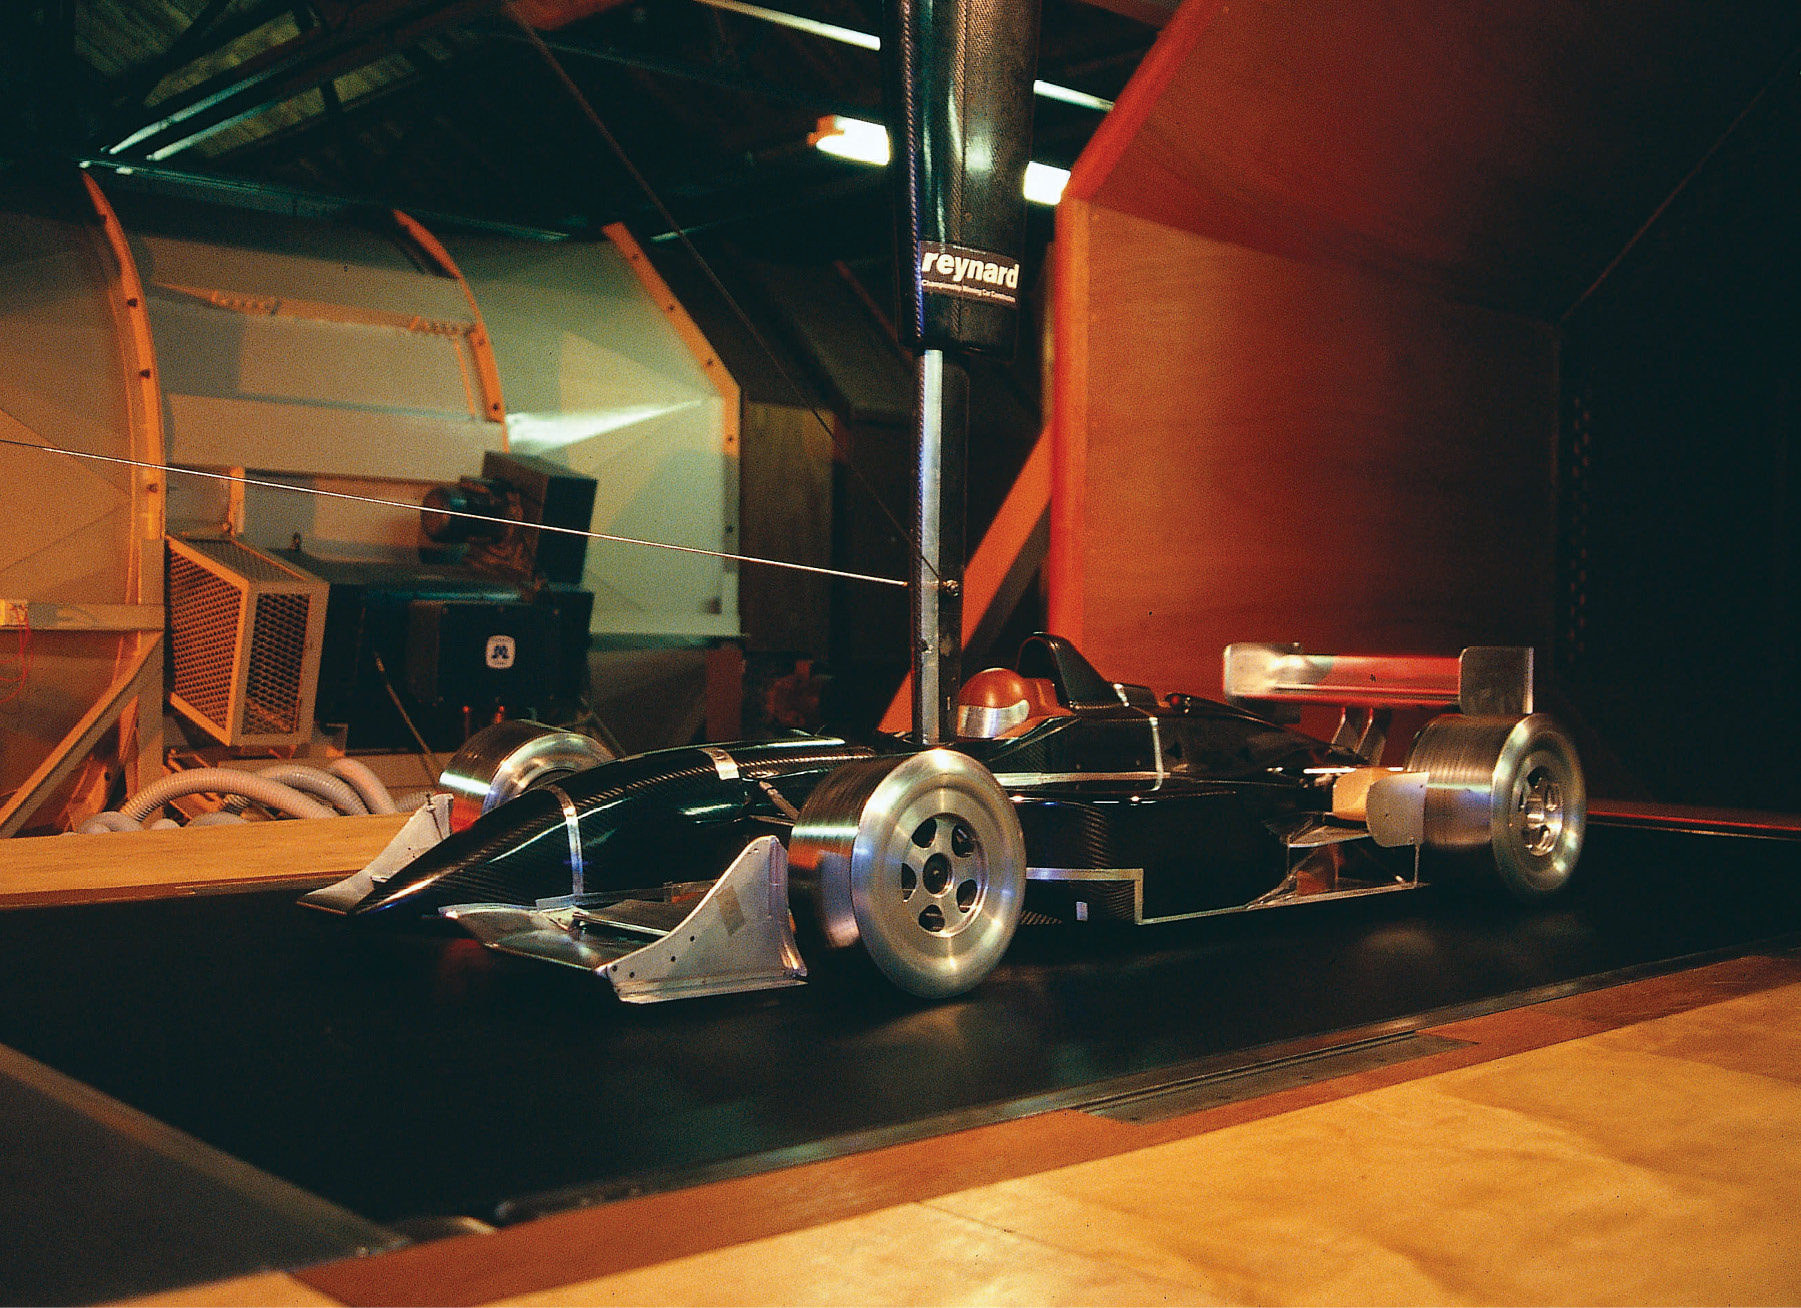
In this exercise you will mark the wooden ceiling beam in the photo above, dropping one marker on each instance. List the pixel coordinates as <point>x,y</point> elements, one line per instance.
<point>366,34</point>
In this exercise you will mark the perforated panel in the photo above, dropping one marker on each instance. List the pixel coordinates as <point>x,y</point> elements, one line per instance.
<point>244,635</point>
<point>273,690</point>
<point>204,611</point>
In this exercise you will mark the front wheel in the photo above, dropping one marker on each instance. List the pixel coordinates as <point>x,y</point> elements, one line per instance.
<point>1507,792</point>
<point>918,860</point>
<point>503,761</point>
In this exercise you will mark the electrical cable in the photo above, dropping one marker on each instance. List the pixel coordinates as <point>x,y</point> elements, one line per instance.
<point>429,757</point>
<point>590,724</point>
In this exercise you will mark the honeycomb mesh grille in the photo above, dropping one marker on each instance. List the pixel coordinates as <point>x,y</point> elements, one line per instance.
<point>203,635</point>
<point>273,685</point>
<point>247,563</point>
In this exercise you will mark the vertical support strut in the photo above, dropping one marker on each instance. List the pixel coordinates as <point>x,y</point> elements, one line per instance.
<point>942,436</point>
<point>957,83</point>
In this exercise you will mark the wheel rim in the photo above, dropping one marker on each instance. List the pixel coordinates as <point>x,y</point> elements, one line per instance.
<point>1536,814</point>
<point>947,878</point>
<point>919,861</point>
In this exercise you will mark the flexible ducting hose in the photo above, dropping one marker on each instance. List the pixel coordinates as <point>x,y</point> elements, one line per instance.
<point>224,781</point>
<point>104,822</point>
<point>288,787</point>
<point>368,785</point>
<point>315,781</point>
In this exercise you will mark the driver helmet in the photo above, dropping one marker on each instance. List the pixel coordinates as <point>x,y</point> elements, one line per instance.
<point>997,702</point>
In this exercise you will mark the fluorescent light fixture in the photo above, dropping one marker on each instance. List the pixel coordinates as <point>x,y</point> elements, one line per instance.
<point>811,26</point>
<point>866,142</point>
<point>1044,184</point>
<point>851,138</point>
<point>1069,95</point>
<point>869,41</point>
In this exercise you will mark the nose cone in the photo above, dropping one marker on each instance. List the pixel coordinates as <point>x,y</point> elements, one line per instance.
<point>515,854</point>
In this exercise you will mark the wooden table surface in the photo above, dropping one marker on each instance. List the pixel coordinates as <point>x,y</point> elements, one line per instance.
<point>152,864</point>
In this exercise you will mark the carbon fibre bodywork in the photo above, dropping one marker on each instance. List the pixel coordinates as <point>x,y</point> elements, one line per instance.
<point>1131,808</point>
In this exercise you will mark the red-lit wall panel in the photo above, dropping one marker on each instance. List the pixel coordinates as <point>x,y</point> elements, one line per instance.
<point>1257,448</point>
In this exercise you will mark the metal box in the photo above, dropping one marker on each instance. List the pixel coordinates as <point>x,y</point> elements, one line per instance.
<point>245,632</point>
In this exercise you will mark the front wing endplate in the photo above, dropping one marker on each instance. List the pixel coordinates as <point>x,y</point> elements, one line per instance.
<point>736,938</point>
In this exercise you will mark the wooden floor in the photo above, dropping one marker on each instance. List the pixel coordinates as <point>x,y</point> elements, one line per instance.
<point>1640,1144</point>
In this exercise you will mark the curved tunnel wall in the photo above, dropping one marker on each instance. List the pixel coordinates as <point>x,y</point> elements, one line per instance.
<point>1313,276</point>
<point>331,351</point>
<point>80,542</point>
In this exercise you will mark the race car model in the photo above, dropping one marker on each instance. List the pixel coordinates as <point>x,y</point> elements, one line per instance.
<point>1066,797</point>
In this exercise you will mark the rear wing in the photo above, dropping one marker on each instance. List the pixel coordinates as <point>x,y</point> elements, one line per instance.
<point>1277,680</point>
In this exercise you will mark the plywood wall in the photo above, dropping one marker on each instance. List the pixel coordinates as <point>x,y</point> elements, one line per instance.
<point>786,479</point>
<point>1253,447</point>
<point>1310,275</point>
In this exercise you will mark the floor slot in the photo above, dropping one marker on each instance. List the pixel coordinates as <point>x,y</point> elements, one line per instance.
<point>1212,1089</point>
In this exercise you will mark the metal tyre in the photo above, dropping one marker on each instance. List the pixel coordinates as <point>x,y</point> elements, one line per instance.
<point>503,761</point>
<point>1507,792</point>
<point>919,860</point>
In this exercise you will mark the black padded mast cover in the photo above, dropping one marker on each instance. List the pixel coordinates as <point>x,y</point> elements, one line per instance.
<point>958,95</point>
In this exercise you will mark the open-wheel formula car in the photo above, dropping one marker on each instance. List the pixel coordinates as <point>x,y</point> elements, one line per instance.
<point>1065,796</point>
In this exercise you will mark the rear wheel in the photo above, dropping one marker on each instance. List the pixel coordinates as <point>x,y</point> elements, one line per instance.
<point>918,861</point>
<point>1505,793</point>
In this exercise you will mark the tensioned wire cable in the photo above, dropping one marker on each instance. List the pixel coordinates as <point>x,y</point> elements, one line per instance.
<point>588,111</point>
<point>448,513</point>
